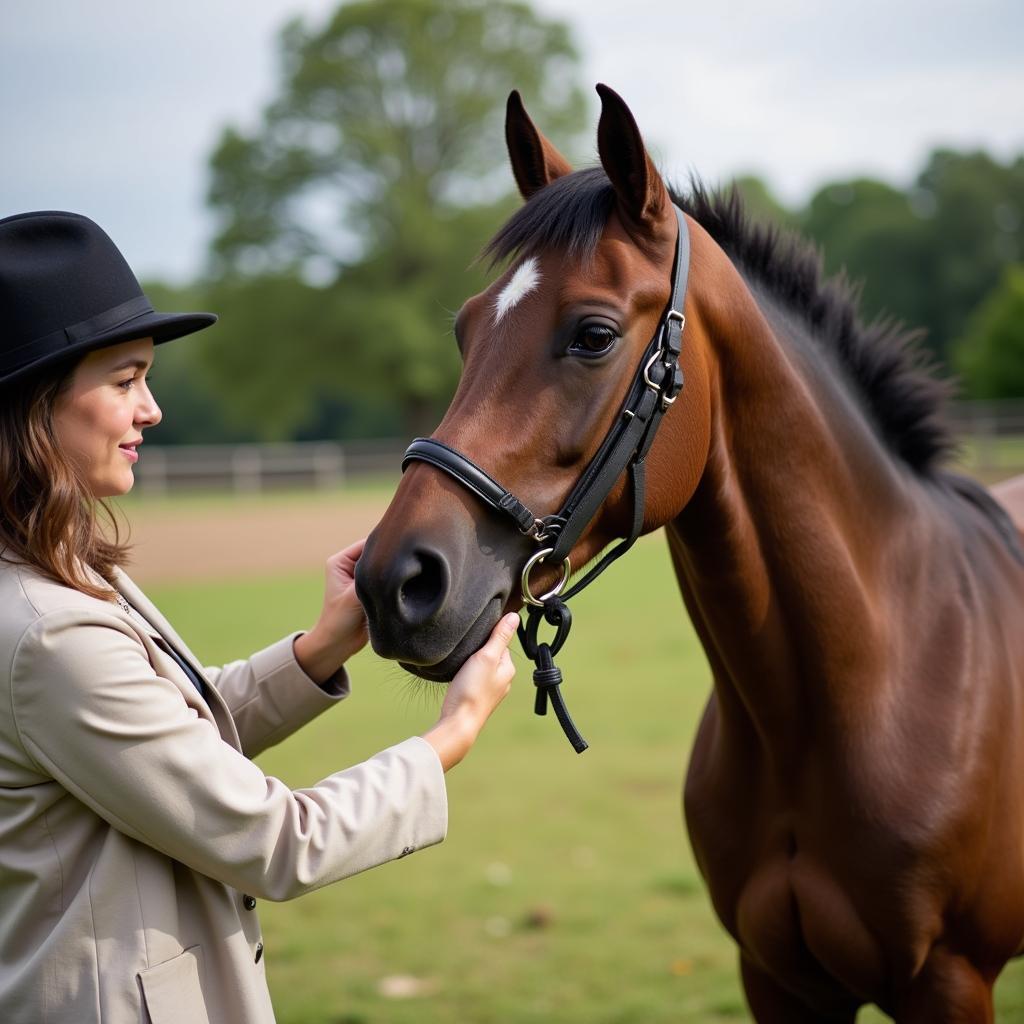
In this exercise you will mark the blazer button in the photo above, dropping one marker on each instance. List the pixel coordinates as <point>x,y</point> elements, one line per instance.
<point>249,902</point>
<point>259,952</point>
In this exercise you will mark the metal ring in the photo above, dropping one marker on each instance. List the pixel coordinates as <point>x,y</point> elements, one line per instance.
<point>539,556</point>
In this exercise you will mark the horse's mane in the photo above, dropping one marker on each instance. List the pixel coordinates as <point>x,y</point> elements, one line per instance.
<point>898,385</point>
<point>896,379</point>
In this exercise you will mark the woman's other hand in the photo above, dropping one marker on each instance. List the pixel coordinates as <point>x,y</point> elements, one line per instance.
<point>341,629</point>
<point>477,689</point>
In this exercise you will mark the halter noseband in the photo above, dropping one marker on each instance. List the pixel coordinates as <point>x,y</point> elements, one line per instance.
<point>655,386</point>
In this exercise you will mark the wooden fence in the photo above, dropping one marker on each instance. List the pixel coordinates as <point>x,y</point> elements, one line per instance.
<point>251,468</point>
<point>991,434</point>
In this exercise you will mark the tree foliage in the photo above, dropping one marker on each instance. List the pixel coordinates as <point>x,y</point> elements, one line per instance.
<point>188,396</point>
<point>348,217</point>
<point>990,357</point>
<point>928,254</point>
<point>760,202</point>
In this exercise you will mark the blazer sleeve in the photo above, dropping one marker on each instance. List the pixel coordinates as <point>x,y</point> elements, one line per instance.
<point>91,713</point>
<point>270,696</point>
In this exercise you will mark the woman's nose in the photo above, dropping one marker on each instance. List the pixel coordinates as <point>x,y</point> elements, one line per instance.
<point>148,413</point>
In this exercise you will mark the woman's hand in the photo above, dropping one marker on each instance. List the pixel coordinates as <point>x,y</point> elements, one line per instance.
<point>477,689</point>
<point>341,629</point>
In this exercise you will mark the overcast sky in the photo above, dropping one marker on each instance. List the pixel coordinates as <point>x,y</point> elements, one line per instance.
<point>110,107</point>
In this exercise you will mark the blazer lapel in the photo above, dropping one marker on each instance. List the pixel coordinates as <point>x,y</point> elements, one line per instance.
<point>165,632</point>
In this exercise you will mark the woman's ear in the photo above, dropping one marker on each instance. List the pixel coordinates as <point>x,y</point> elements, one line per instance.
<point>642,198</point>
<point>535,162</point>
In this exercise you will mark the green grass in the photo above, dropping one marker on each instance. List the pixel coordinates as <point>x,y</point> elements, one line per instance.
<point>566,890</point>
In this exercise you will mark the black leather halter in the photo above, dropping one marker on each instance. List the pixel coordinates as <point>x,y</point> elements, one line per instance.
<point>655,386</point>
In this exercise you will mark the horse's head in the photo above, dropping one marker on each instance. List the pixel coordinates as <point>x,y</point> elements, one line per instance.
<point>549,350</point>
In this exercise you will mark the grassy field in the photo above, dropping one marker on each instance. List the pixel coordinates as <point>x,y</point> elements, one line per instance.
<point>566,891</point>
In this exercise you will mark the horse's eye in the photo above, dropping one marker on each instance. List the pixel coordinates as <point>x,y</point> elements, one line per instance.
<point>592,340</point>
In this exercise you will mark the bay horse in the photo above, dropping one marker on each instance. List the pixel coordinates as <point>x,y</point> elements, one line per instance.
<point>855,794</point>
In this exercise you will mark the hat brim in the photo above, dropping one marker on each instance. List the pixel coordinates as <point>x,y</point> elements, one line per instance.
<point>160,327</point>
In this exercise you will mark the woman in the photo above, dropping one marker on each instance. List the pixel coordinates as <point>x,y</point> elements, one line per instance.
<point>135,833</point>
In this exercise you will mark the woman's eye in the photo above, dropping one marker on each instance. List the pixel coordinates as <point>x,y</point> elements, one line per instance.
<point>126,384</point>
<point>593,340</point>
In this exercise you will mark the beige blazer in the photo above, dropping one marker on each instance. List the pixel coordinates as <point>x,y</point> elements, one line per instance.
<point>136,834</point>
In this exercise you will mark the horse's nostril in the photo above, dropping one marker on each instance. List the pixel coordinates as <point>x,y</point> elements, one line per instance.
<point>425,588</point>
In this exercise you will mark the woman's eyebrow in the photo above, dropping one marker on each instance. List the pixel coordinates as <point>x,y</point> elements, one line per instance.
<point>137,364</point>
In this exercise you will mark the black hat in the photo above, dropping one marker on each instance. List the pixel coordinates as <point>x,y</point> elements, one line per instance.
<point>65,288</point>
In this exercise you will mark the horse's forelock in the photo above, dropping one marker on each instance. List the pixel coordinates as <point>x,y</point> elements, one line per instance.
<point>569,216</point>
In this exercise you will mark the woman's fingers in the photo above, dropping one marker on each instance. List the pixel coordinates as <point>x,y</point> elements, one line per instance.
<point>501,637</point>
<point>341,567</point>
<point>346,559</point>
<point>477,689</point>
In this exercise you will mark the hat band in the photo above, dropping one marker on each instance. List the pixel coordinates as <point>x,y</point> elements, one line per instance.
<point>84,330</point>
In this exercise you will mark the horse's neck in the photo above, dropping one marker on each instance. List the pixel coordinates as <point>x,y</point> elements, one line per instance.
<point>781,551</point>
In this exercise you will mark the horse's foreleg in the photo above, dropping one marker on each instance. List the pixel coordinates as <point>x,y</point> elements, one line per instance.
<point>771,1004</point>
<point>948,990</point>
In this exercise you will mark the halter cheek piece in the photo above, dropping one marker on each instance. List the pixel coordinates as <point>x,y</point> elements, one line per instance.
<point>655,386</point>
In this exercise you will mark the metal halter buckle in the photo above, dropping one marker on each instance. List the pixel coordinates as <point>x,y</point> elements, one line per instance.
<point>656,388</point>
<point>538,531</point>
<point>666,401</point>
<point>680,318</point>
<point>539,556</point>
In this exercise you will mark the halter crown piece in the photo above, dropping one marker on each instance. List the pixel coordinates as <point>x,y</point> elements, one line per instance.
<point>655,386</point>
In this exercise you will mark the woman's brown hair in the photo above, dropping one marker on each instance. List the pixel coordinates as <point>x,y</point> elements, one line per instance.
<point>48,516</point>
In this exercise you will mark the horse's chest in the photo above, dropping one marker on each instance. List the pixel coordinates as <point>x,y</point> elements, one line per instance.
<point>806,914</point>
<point>795,921</point>
<point>804,894</point>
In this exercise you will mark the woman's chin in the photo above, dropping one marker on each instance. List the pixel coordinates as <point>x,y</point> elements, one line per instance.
<point>114,486</point>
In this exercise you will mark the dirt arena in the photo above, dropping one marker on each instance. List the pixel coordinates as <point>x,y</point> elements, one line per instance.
<point>194,540</point>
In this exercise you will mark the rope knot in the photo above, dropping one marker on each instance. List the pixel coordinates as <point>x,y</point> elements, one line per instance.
<point>546,676</point>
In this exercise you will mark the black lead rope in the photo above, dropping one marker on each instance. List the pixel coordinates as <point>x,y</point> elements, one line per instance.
<point>547,676</point>
<point>655,386</point>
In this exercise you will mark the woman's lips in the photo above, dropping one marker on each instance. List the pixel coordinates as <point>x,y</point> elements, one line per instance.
<point>130,452</point>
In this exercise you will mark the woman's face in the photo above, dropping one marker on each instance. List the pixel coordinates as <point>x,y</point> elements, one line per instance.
<point>100,416</point>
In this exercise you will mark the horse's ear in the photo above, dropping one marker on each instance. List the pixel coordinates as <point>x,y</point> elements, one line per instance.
<point>535,162</point>
<point>640,192</point>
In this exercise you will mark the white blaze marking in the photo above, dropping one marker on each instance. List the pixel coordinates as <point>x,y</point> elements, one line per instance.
<point>523,281</point>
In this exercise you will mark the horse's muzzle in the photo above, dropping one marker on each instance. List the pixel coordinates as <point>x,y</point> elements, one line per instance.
<point>425,608</point>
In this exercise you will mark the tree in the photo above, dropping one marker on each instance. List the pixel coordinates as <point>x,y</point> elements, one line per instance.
<point>990,357</point>
<point>376,174</point>
<point>929,254</point>
<point>873,233</point>
<point>192,410</point>
<point>975,231</point>
<point>760,202</point>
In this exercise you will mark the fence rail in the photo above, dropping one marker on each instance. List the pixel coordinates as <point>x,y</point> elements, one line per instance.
<point>991,435</point>
<point>251,468</point>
